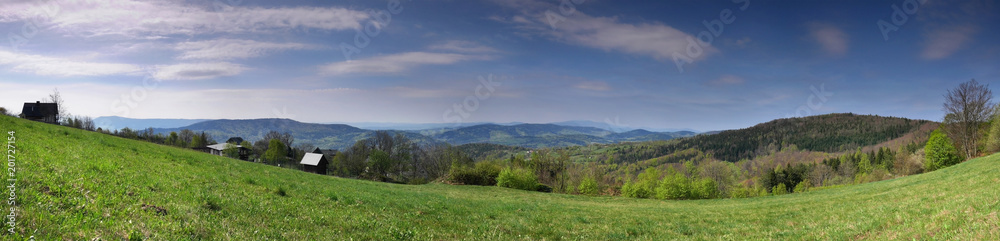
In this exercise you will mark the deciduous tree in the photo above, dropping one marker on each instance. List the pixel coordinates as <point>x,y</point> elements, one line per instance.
<point>968,106</point>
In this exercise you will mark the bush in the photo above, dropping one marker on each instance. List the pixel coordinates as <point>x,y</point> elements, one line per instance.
<point>940,153</point>
<point>803,186</point>
<point>674,186</point>
<point>518,178</point>
<point>589,187</point>
<point>645,185</point>
<point>705,188</point>
<point>482,174</point>
<point>780,189</point>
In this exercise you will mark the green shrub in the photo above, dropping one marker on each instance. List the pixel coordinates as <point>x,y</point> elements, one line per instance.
<point>803,186</point>
<point>673,186</point>
<point>645,184</point>
<point>704,188</point>
<point>482,174</point>
<point>940,153</point>
<point>588,187</point>
<point>518,178</point>
<point>780,189</point>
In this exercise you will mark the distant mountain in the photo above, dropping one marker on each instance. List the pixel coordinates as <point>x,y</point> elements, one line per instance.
<point>618,128</point>
<point>117,123</point>
<point>340,136</point>
<point>547,135</point>
<point>326,136</point>
<point>411,126</point>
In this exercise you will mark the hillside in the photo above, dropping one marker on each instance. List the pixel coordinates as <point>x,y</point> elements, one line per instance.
<point>548,135</point>
<point>78,185</point>
<point>823,133</point>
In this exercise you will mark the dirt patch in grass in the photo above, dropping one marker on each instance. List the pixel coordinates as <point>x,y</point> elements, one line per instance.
<point>153,208</point>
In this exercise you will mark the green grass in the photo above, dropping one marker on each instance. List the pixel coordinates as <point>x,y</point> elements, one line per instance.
<point>77,185</point>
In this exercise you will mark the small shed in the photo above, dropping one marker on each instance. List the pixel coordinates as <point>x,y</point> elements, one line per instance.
<point>43,112</point>
<point>315,163</point>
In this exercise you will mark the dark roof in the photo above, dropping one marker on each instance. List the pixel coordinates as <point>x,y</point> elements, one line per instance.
<point>235,140</point>
<point>40,110</point>
<point>329,152</point>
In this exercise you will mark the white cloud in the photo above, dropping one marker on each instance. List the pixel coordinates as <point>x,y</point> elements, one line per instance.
<point>222,49</point>
<point>63,67</point>
<point>593,85</point>
<point>395,63</point>
<point>943,42</point>
<point>198,71</point>
<point>833,40</point>
<point>652,39</point>
<point>154,18</point>
<point>463,47</point>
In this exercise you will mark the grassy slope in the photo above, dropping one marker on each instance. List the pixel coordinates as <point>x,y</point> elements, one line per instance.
<point>81,185</point>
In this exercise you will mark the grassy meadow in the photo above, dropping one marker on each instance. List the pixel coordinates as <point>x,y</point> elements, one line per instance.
<point>78,185</point>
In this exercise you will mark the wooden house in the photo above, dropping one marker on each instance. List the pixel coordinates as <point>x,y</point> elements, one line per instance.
<point>42,112</point>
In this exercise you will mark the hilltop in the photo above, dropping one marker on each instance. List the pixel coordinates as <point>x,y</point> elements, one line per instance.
<point>74,184</point>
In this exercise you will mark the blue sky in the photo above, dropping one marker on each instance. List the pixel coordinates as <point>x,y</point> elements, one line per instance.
<point>439,61</point>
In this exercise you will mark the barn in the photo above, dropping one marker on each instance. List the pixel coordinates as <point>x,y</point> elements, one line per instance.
<point>315,163</point>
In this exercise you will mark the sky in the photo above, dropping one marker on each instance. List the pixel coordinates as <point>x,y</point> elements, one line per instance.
<point>704,65</point>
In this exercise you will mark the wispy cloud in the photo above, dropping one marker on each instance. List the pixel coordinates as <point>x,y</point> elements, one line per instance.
<point>463,47</point>
<point>145,19</point>
<point>943,42</point>
<point>223,49</point>
<point>63,67</point>
<point>395,63</point>
<point>832,39</point>
<point>198,71</point>
<point>593,85</point>
<point>653,39</point>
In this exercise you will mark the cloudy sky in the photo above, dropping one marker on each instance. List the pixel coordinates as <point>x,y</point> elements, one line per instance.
<point>705,65</point>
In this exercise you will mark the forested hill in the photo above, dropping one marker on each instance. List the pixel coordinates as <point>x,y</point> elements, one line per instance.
<point>825,133</point>
<point>548,135</point>
<point>336,136</point>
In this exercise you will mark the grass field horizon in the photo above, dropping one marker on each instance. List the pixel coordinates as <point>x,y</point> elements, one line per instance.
<point>73,184</point>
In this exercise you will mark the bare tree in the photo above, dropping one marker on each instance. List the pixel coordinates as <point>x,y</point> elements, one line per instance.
<point>967,107</point>
<point>55,97</point>
<point>285,138</point>
<point>88,124</point>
